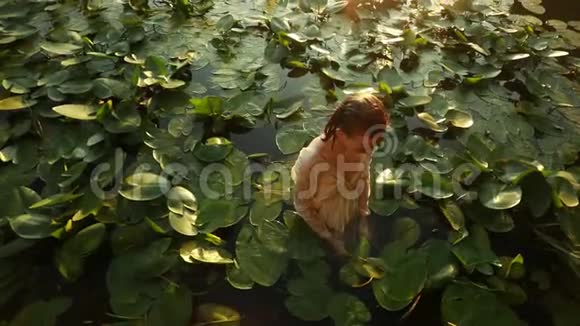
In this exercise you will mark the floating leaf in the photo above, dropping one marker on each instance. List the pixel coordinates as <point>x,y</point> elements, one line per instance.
<point>55,200</point>
<point>225,23</point>
<point>516,56</point>
<point>215,314</point>
<point>384,207</point>
<point>184,223</point>
<point>346,309</point>
<point>402,282</point>
<point>174,307</point>
<point>470,305</point>
<point>214,149</point>
<point>179,199</point>
<point>433,185</point>
<point>414,101</point>
<point>204,252</point>
<point>60,48</point>
<point>77,111</point>
<point>459,119</point>
<point>555,54</point>
<point>431,122</point>
<point>475,250</point>
<point>406,231</point>
<point>262,265</point>
<point>335,7</point>
<point>70,257</point>
<point>238,278</point>
<point>218,213</point>
<point>32,226</point>
<point>293,109</point>
<point>479,48</point>
<point>15,103</point>
<point>453,213</point>
<point>42,312</point>
<point>143,186</point>
<point>263,210</point>
<point>495,195</point>
<point>290,141</point>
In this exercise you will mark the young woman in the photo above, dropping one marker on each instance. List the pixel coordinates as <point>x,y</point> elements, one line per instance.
<point>331,175</point>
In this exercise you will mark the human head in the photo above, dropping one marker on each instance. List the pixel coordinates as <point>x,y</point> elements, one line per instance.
<point>358,123</point>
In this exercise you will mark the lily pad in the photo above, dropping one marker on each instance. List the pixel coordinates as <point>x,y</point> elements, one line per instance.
<point>262,265</point>
<point>60,48</point>
<point>495,195</point>
<point>290,140</point>
<point>459,119</point>
<point>33,226</point>
<point>402,282</point>
<point>77,111</point>
<point>414,101</point>
<point>471,305</point>
<point>15,103</point>
<point>143,186</point>
<point>214,149</point>
<point>204,252</point>
<point>211,313</point>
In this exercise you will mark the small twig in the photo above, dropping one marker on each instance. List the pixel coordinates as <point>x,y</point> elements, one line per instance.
<point>415,302</point>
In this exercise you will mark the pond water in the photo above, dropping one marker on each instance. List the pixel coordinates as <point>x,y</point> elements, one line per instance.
<point>264,306</point>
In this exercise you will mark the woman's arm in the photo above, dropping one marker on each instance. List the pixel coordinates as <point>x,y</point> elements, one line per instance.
<point>363,202</point>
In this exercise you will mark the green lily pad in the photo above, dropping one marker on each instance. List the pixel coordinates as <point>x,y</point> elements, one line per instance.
<point>431,122</point>
<point>414,101</point>
<point>32,226</point>
<point>173,307</point>
<point>475,250</point>
<point>217,213</point>
<point>384,207</point>
<point>18,102</point>
<point>406,231</point>
<point>453,213</point>
<point>402,282</point>
<point>238,278</point>
<point>263,210</point>
<point>204,251</point>
<point>184,223</point>
<point>433,185</point>
<point>516,56</point>
<point>566,192</point>
<point>346,309</point>
<point>459,119</point>
<point>470,305</point>
<point>495,195</point>
<point>42,312</point>
<point>143,186</point>
<point>262,265</point>
<point>290,140</point>
<point>54,200</point>
<point>70,257</point>
<point>180,199</point>
<point>214,149</point>
<point>60,48</point>
<point>442,264</point>
<point>225,23</point>
<point>77,111</point>
<point>216,314</point>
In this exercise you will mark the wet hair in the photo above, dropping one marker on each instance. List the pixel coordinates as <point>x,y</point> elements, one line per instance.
<point>358,113</point>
